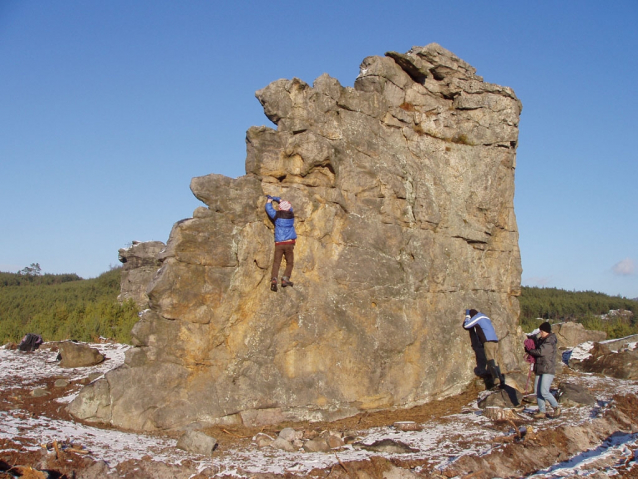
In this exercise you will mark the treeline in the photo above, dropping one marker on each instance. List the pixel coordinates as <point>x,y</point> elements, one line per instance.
<point>13,279</point>
<point>64,307</point>
<point>586,307</point>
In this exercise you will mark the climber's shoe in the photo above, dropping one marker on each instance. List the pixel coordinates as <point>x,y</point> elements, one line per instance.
<point>285,281</point>
<point>273,284</point>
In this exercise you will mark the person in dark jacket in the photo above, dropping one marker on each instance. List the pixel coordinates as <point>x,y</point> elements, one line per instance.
<point>285,236</point>
<point>480,324</point>
<point>545,369</point>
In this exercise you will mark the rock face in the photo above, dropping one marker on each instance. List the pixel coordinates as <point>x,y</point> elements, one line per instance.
<point>140,264</point>
<point>621,363</point>
<point>402,189</point>
<point>78,355</point>
<point>572,334</point>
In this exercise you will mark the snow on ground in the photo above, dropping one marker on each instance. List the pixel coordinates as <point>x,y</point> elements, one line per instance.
<point>29,369</point>
<point>615,452</point>
<point>441,440</point>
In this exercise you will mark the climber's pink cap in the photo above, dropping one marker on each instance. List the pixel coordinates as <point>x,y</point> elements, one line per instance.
<point>285,205</point>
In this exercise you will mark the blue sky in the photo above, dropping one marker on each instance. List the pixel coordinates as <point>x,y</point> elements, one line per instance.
<point>109,108</point>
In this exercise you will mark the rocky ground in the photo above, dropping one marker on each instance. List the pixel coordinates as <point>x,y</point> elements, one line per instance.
<point>453,438</point>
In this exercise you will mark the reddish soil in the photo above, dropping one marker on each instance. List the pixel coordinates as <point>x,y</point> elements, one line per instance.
<point>524,453</point>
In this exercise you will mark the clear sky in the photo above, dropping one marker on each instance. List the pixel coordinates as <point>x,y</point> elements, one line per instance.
<point>109,107</point>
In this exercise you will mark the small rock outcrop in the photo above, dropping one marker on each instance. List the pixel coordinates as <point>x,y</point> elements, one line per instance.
<point>572,334</point>
<point>402,189</point>
<point>139,265</point>
<point>621,364</point>
<point>197,442</point>
<point>570,395</point>
<point>75,355</point>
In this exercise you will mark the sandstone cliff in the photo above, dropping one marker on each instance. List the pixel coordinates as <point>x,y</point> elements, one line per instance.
<point>403,192</point>
<point>140,264</point>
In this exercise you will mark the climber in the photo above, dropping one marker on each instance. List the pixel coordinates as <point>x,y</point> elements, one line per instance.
<point>481,325</point>
<point>545,369</point>
<point>285,236</point>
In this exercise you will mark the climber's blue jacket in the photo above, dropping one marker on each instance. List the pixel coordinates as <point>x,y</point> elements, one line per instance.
<point>284,223</point>
<point>482,326</point>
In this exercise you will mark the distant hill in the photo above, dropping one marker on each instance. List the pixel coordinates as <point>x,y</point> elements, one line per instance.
<point>586,307</point>
<point>64,306</point>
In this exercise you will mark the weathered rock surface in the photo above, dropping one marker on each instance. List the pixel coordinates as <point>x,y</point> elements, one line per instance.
<point>139,265</point>
<point>507,397</point>
<point>572,334</point>
<point>622,364</point>
<point>403,195</point>
<point>75,355</point>
<point>570,394</point>
<point>197,442</point>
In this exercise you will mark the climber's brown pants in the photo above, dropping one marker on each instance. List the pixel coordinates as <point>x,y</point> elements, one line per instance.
<point>283,250</point>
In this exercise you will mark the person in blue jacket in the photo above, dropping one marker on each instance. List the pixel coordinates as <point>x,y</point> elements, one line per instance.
<point>285,236</point>
<point>481,325</point>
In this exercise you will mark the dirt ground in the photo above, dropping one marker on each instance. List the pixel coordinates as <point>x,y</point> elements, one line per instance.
<point>516,448</point>
<point>66,463</point>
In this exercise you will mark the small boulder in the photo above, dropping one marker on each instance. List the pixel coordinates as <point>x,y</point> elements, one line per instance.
<point>389,446</point>
<point>290,435</point>
<point>333,439</point>
<point>407,426</point>
<point>75,355</point>
<point>574,395</point>
<point>61,383</point>
<point>40,392</point>
<point>335,442</point>
<point>263,440</point>
<point>197,442</point>
<point>316,445</point>
<point>504,398</point>
<point>281,443</point>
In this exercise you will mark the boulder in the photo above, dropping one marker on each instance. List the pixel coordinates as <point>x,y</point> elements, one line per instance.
<point>507,397</point>
<point>318,444</point>
<point>77,355</point>
<point>139,265</point>
<point>570,394</point>
<point>40,392</point>
<point>572,334</point>
<point>289,434</point>
<point>197,442</point>
<point>283,444</point>
<point>402,189</point>
<point>388,446</point>
<point>628,342</point>
<point>263,440</point>
<point>621,364</point>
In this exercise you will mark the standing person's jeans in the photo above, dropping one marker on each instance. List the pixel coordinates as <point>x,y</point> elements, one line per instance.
<point>543,382</point>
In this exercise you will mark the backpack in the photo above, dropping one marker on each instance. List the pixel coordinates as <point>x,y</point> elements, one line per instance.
<point>530,344</point>
<point>30,342</point>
